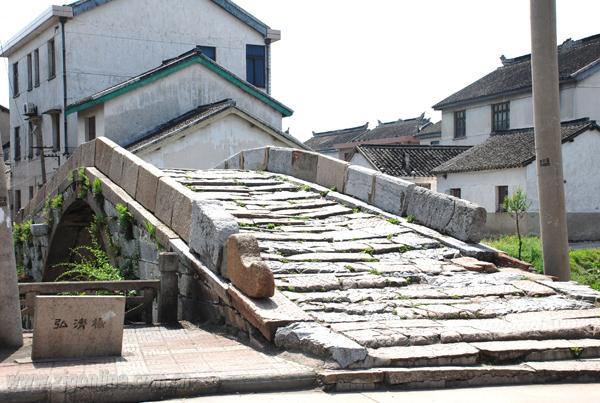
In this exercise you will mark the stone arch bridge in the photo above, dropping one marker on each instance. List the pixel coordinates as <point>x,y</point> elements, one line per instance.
<point>385,280</point>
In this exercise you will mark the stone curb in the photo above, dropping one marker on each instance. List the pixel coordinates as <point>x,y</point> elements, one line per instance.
<point>456,217</point>
<point>161,387</point>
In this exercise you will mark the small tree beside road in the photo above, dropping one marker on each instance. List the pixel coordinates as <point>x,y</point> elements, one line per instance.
<point>517,205</point>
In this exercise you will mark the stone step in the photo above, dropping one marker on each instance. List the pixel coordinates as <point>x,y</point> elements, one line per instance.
<point>494,352</point>
<point>557,325</point>
<point>461,376</point>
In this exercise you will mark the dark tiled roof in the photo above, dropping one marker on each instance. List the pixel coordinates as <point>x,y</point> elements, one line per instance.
<point>409,160</point>
<point>190,119</point>
<point>4,109</point>
<point>182,122</point>
<point>509,149</point>
<point>399,128</point>
<point>324,141</point>
<point>574,57</point>
<point>431,130</point>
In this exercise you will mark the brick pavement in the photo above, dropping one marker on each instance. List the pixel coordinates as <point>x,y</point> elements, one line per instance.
<point>208,362</point>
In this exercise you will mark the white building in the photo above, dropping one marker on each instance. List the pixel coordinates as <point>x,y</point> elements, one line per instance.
<point>490,171</point>
<point>495,113</point>
<point>502,99</point>
<point>71,52</point>
<point>214,113</point>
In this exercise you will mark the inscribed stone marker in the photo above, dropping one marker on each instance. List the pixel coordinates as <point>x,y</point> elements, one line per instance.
<point>78,326</point>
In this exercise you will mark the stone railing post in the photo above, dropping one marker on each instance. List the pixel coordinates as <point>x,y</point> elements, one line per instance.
<point>168,294</point>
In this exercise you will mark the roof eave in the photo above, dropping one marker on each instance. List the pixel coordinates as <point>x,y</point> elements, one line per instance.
<point>248,19</point>
<point>49,17</point>
<point>440,106</point>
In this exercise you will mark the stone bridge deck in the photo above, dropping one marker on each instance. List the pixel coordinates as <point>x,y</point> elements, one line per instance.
<point>389,300</point>
<point>379,291</point>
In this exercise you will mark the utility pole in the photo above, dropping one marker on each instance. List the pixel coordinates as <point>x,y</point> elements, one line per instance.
<point>11,332</point>
<point>41,151</point>
<point>546,119</point>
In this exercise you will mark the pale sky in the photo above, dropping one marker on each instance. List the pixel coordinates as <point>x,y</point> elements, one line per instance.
<point>341,63</point>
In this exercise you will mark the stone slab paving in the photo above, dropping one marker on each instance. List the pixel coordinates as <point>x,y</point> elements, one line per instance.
<point>404,293</point>
<point>205,361</point>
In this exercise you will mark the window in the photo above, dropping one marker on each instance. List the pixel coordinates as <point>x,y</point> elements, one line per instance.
<point>455,192</point>
<point>17,141</point>
<point>435,143</point>
<point>255,65</point>
<point>209,51</point>
<point>460,124</point>
<point>51,60</point>
<point>55,131</point>
<point>6,151</point>
<point>15,79</point>
<point>29,73</point>
<point>501,116</point>
<point>36,68</point>
<point>30,192</point>
<point>17,201</point>
<point>90,128</point>
<point>501,194</point>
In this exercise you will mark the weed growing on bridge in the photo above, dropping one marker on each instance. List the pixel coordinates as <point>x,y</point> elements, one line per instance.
<point>393,220</point>
<point>52,203</point>
<point>151,230</point>
<point>84,183</point>
<point>410,218</point>
<point>22,232</point>
<point>97,189</point>
<point>125,220</point>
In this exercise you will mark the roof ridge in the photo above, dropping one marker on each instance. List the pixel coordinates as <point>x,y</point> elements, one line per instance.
<point>416,146</point>
<point>564,123</point>
<point>338,131</point>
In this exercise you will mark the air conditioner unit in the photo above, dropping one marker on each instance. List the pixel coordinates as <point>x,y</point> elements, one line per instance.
<point>29,109</point>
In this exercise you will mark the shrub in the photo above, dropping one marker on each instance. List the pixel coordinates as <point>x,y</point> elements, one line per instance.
<point>92,264</point>
<point>517,205</point>
<point>22,232</point>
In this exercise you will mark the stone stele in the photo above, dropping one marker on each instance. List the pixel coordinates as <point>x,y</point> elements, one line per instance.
<point>78,326</point>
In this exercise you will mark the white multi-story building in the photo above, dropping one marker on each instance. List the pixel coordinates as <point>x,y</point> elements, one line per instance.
<point>502,100</point>
<point>495,114</point>
<point>71,52</point>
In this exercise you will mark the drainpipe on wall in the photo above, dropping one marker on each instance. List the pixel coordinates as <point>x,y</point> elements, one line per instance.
<point>64,79</point>
<point>268,64</point>
<point>273,35</point>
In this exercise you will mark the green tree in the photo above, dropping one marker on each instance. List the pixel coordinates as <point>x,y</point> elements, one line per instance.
<point>517,205</point>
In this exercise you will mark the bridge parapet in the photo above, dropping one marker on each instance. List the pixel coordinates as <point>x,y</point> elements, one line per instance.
<point>166,216</point>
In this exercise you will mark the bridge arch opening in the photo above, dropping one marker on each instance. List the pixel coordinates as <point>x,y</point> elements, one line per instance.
<point>71,231</point>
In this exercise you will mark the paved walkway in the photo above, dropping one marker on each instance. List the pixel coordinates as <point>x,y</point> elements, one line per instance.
<point>183,361</point>
<point>562,393</point>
